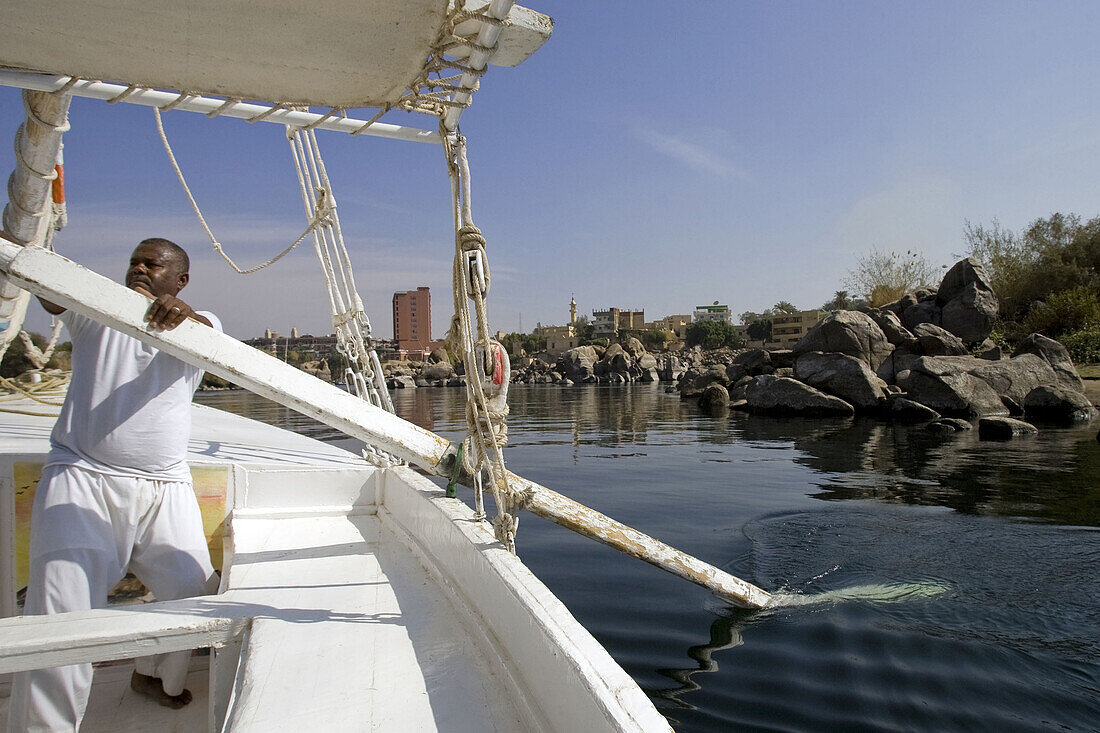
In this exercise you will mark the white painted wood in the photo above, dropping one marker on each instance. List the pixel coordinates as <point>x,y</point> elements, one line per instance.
<point>357,637</point>
<point>7,542</point>
<point>592,524</point>
<point>32,642</point>
<point>552,661</point>
<point>329,52</point>
<point>37,147</point>
<point>223,672</point>
<point>70,285</point>
<point>477,60</point>
<point>523,33</point>
<point>326,52</point>
<point>206,105</point>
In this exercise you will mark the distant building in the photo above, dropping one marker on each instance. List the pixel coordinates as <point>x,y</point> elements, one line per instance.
<point>309,348</point>
<point>677,324</point>
<point>606,324</point>
<point>715,312</point>
<point>789,328</point>
<point>412,323</point>
<point>559,339</point>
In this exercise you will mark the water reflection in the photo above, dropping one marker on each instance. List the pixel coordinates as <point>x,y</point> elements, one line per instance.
<point>1050,477</point>
<point>817,507</point>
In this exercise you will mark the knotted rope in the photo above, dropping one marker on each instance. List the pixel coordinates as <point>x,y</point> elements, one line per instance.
<point>349,319</point>
<point>485,360</point>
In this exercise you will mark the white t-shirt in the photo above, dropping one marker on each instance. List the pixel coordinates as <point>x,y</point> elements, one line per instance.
<point>128,409</point>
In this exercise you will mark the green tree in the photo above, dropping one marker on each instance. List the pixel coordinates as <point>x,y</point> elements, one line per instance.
<point>760,329</point>
<point>883,277</point>
<point>1051,255</point>
<point>784,306</point>
<point>529,342</point>
<point>711,334</point>
<point>841,302</point>
<point>656,337</point>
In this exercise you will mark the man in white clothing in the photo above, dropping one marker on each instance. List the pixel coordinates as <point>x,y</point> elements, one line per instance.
<point>115,493</point>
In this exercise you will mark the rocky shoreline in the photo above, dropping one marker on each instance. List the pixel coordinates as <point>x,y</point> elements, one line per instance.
<point>924,359</point>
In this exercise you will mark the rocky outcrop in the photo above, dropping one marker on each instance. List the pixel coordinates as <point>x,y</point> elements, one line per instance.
<point>439,370</point>
<point>843,376</point>
<point>906,410</point>
<point>949,425</point>
<point>578,364</point>
<point>1004,428</point>
<point>669,368</point>
<point>694,381</point>
<point>964,304</point>
<point>945,385</point>
<point>1012,379</point>
<point>895,333</point>
<point>1055,403</point>
<point>936,341</point>
<point>750,363</point>
<point>768,395</point>
<point>714,397</point>
<point>968,304</point>
<point>927,357</point>
<point>1056,356</point>
<point>848,332</point>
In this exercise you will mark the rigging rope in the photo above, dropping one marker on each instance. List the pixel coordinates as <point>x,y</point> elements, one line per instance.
<point>349,319</point>
<point>314,222</point>
<point>486,361</point>
<point>363,372</point>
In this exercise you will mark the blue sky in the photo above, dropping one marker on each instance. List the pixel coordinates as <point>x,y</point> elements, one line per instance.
<point>650,156</point>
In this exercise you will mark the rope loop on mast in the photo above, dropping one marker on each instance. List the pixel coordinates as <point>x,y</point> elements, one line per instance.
<point>34,117</point>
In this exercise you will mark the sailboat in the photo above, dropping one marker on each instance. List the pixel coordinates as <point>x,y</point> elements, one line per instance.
<point>356,592</point>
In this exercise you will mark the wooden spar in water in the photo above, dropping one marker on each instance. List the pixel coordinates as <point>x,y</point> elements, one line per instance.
<point>73,286</point>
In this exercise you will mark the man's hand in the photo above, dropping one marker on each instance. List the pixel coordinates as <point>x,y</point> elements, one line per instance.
<point>168,311</point>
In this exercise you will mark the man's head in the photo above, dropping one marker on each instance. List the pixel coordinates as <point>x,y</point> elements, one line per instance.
<point>158,266</point>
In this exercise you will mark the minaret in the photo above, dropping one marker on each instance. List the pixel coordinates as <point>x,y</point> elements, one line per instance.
<point>572,310</point>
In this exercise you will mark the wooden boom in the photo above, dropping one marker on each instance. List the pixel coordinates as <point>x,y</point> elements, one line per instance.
<point>73,286</point>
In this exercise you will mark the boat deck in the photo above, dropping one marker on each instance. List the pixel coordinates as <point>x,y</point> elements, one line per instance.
<point>332,599</point>
<point>113,706</point>
<point>352,599</point>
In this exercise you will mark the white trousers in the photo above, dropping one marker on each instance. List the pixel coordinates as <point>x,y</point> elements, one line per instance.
<point>87,528</point>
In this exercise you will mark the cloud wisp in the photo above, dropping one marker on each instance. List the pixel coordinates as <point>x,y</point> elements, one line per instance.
<point>695,155</point>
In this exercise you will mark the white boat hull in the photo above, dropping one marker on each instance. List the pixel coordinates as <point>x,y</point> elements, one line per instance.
<point>353,598</point>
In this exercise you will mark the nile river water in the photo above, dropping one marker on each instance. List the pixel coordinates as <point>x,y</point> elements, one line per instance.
<point>940,583</point>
